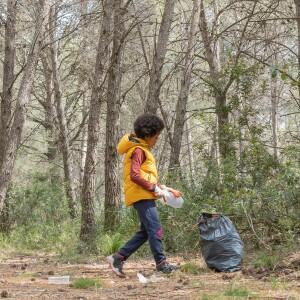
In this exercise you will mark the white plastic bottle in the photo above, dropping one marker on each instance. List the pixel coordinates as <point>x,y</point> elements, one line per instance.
<point>171,200</point>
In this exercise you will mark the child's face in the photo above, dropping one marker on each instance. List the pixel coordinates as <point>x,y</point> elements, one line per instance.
<point>151,141</point>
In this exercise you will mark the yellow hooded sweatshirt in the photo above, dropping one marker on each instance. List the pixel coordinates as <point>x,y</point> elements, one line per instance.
<point>133,191</point>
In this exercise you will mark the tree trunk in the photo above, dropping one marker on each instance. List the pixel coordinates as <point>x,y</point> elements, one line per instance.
<point>184,91</point>
<point>112,181</point>
<point>84,85</point>
<point>62,123</point>
<point>15,133</point>
<point>160,51</point>
<point>297,4</point>
<point>274,105</point>
<point>88,222</point>
<point>7,94</point>
<point>189,141</point>
<point>225,147</point>
<point>83,143</point>
<point>50,118</point>
<point>224,143</point>
<point>8,73</point>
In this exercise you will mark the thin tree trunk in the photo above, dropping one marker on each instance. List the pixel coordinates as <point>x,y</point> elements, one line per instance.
<point>274,104</point>
<point>15,133</point>
<point>88,222</point>
<point>225,147</point>
<point>83,83</point>
<point>50,118</point>
<point>184,91</point>
<point>241,138</point>
<point>160,51</point>
<point>189,141</point>
<point>62,123</point>
<point>297,4</point>
<point>112,181</point>
<point>83,143</point>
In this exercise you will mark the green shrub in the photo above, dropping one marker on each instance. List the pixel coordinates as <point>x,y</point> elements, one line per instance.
<point>110,243</point>
<point>39,217</point>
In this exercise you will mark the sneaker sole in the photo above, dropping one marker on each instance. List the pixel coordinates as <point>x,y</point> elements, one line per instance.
<point>110,261</point>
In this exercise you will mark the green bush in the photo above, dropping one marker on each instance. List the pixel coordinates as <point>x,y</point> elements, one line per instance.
<point>262,201</point>
<point>110,243</point>
<point>39,216</point>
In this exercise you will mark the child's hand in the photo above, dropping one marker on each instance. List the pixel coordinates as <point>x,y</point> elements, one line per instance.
<point>158,192</point>
<point>174,192</point>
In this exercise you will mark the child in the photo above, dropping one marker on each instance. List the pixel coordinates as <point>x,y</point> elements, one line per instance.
<point>141,190</point>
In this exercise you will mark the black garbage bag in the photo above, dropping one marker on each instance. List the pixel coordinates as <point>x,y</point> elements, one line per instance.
<point>221,245</point>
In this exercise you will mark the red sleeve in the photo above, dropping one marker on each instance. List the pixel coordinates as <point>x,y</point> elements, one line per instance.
<point>137,158</point>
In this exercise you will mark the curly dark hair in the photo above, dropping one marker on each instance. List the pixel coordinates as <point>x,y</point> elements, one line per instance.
<point>148,125</point>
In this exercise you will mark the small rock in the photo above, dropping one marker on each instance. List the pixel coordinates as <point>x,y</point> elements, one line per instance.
<point>227,276</point>
<point>61,290</point>
<point>130,287</point>
<point>185,282</point>
<point>287,271</point>
<point>262,270</point>
<point>4,294</point>
<point>296,263</point>
<point>32,279</point>
<point>50,273</point>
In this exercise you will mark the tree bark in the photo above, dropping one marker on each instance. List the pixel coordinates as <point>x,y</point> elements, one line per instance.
<point>189,141</point>
<point>8,73</point>
<point>184,91</point>
<point>7,94</point>
<point>112,181</point>
<point>297,4</point>
<point>84,84</point>
<point>15,133</point>
<point>274,105</point>
<point>224,143</point>
<point>160,51</point>
<point>50,118</point>
<point>62,123</point>
<point>88,222</point>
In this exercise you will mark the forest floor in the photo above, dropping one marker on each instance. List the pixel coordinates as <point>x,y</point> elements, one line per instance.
<point>26,277</point>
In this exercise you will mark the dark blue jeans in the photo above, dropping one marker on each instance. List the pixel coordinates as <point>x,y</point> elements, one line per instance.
<point>150,230</point>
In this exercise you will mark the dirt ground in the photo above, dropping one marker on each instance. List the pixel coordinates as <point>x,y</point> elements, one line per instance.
<point>26,277</point>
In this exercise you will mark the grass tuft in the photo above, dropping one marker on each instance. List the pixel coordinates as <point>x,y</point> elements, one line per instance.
<point>191,268</point>
<point>237,292</point>
<point>85,283</point>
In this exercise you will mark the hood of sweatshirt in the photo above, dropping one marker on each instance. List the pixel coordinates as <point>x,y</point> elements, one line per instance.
<point>129,141</point>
